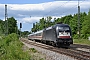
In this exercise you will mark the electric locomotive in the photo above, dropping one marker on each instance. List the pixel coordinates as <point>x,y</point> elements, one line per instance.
<point>56,35</point>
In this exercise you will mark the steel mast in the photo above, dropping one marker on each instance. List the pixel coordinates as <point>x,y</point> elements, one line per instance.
<point>78,20</point>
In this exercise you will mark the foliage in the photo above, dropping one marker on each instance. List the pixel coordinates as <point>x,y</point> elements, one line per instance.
<point>25,33</point>
<point>33,50</point>
<point>2,25</point>
<point>72,20</point>
<point>12,25</point>
<point>11,48</point>
<point>86,26</point>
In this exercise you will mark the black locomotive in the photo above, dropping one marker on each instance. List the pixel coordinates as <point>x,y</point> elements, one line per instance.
<point>56,35</point>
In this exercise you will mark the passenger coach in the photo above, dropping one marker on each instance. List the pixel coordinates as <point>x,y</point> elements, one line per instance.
<point>57,35</point>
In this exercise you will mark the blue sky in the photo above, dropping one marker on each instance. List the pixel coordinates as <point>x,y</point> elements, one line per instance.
<point>21,10</point>
<point>23,1</point>
<point>29,1</point>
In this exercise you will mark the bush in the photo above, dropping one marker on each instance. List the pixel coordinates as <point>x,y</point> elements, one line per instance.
<point>11,49</point>
<point>33,50</point>
<point>76,36</point>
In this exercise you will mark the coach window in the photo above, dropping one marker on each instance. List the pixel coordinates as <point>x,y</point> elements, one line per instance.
<point>39,34</point>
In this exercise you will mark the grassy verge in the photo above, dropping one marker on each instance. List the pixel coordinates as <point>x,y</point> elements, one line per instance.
<point>11,49</point>
<point>82,41</point>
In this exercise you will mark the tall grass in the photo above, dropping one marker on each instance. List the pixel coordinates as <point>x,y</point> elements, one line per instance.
<point>11,48</point>
<point>82,41</point>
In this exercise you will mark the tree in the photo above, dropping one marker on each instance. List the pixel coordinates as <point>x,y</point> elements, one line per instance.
<point>25,33</point>
<point>2,26</point>
<point>33,29</point>
<point>57,20</point>
<point>48,21</point>
<point>42,23</point>
<point>72,20</point>
<point>73,24</point>
<point>86,26</point>
<point>67,19</point>
<point>12,25</point>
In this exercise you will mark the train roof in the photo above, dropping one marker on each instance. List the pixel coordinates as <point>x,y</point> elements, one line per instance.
<point>37,32</point>
<point>54,26</point>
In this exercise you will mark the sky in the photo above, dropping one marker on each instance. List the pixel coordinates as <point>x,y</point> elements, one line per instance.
<point>28,12</point>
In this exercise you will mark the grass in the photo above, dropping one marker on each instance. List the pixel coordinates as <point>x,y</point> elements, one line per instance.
<point>82,41</point>
<point>36,55</point>
<point>11,49</point>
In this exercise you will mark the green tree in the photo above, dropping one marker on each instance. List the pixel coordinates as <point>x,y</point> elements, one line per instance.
<point>12,25</point>
<point>48,21</point>
<point>33,29</point>
<point>86,26</point>
<point>2,26</point>
<point>57,20</point>
<point>72,20</point>
<point>25,33</point>
<point>42,23</point>
<point>67,19</point>
<point>73,24</point>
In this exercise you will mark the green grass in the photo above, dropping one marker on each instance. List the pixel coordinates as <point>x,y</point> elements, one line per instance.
<point>82,41</point>
<point>11,49</point>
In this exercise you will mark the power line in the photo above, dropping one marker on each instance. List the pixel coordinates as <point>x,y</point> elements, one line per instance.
<point>58,7</point>
<point>62,6</point>
<point>72,7</point>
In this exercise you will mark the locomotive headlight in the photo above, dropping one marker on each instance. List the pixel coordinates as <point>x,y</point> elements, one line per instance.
<point>57,36</point>
<point>70,36</point>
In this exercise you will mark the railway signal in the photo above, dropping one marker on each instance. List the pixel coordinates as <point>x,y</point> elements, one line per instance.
<point>20,29</point>
<point>20,25</point>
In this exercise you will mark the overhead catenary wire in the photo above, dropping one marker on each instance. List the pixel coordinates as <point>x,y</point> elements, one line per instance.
<point>78,14</point>
<point>73,7</point>
<point>62,6</point>
<point>57,7</point>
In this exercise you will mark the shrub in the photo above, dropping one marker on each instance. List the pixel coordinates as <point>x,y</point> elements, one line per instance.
<point>33,50</point>
<point>11,48</point>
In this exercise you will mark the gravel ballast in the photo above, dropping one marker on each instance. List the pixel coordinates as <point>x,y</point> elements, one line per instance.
<point>50,55</point>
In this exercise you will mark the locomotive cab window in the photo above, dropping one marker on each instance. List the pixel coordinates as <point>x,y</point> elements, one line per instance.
<point>62,29</point>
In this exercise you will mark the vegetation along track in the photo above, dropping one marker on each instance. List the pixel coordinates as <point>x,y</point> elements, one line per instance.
<point>77,54</point>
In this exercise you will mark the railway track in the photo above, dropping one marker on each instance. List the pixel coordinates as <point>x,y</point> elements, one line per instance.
<point>80,46</point>
<point>77,54</point>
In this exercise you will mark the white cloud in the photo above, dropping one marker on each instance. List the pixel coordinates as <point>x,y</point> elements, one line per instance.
<point>30,19</point>
<point>55,8</point>
<point>25,7</point>
<point>22,12</point>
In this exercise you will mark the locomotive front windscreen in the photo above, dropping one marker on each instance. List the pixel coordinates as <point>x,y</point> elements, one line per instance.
<point>64,32</point>
<point>62,29</point>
